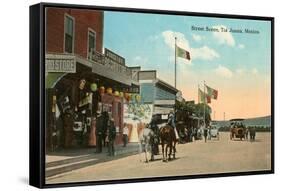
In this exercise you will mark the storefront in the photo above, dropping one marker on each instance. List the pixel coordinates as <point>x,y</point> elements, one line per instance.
<point>77,89</point>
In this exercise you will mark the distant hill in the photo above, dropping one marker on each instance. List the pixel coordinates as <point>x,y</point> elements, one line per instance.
<point>258,121</point>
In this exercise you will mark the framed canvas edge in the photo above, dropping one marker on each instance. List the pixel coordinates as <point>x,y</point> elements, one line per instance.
<point>36,135</point>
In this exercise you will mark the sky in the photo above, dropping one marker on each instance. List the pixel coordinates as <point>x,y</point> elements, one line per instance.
<point>238,65</point>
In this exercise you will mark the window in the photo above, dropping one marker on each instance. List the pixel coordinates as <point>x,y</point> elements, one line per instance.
<point>91,41</point>
<point>69,34</point>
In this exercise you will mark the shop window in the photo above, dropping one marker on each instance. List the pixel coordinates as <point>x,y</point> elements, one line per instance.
<point>69,34</point>
<point>91,41</point>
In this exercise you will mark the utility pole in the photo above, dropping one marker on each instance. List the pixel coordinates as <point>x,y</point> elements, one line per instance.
<point>175,62</point>
<point>204,106</point>
<point>224,116</point>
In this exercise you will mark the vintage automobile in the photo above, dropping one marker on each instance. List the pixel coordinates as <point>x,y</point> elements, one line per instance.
<point>214,130</point>
<point>237,129</point>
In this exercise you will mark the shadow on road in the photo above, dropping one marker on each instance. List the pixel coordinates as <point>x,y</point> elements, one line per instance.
<point>66,160</point>
<point>66,165</point>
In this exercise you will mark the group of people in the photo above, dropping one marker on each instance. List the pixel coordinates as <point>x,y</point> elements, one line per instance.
<point>105,133</point>
<point>153,125</point>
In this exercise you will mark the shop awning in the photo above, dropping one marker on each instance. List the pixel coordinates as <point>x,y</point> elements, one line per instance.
<point>52,79</point>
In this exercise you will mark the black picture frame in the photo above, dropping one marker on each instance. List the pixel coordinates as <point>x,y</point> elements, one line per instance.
<point>37,132</point>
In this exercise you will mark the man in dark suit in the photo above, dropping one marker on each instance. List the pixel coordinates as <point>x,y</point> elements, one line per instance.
<point>99,127</point>
<point>111,137</point>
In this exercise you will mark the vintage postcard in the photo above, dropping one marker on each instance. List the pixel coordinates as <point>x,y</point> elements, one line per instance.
<point>136,95</point>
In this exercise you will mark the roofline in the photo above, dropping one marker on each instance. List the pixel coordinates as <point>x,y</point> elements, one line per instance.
<point>237,119</point>
<point>166,85</point>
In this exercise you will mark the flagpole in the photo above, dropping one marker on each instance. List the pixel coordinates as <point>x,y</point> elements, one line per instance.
<point>176,62</point>
<point>198,93</point>
<point>204,105</point>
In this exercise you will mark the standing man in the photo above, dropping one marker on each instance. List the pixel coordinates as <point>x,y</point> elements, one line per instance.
<point>104,129</point>
<point>99,126</point>
<point>125,134</point>
<point>154,127</point>
<point>68,124</point>
<point>205,133</point>
<point>111,137</point>
<point>209,132</point>
<point>252,133</point>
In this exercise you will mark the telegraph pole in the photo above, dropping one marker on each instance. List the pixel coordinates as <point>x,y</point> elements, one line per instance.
<point>175,62</point>
<point>204,106</point>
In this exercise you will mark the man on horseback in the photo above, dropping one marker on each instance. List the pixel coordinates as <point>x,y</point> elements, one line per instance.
<point>171,122</point>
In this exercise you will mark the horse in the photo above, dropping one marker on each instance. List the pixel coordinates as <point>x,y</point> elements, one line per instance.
<point>168,140</point>
<point>146,139</point>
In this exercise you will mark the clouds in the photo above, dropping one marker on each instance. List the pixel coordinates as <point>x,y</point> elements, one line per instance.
<point>202,53</point>
<point>223,72</point>
<point>227,73</point>
<point>197,38</point>
<point>255,71</point>
<point>240,71</point>
<point>241,46</point>
<point>140,61</point>
<point>206,53</point>
<point>169,38</point>
<point>224,37</point>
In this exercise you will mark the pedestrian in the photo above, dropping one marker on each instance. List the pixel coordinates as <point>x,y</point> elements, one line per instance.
<point>191,134</point>
<point>252,133</point>
<point>105,118</point>
<point>205,133</point>
<point>99,132</point>
<point>68,124</point>
<point>111,137</point>
<point>247,133</point>
<point>125,135</point>
<point>209,133</point>
<point>154,127</point>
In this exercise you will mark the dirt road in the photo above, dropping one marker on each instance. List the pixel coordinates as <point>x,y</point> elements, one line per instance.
<point>215,156</point>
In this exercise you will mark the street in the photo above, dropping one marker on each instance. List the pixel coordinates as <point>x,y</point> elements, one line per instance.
<point>215,156</point>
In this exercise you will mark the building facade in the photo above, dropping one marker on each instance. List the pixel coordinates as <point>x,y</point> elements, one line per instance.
<point>82,80</point>
<point>156,92</point>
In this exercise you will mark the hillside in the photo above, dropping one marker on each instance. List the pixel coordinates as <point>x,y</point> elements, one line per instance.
<point>258,121</point>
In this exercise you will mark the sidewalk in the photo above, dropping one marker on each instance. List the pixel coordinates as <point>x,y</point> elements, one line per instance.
<point>71,159</point>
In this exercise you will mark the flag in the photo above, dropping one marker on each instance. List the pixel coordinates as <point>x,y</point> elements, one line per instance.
<point>212,92</point>
<point>203,97</point>
<point>182,53</point>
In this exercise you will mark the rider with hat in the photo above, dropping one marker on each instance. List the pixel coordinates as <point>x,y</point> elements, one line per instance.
<point>171,122</point>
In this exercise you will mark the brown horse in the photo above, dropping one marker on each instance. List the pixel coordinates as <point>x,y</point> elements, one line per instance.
<point>168,140</point>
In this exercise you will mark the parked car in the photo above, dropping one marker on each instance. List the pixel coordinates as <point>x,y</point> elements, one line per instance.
<point>214,132</point>
<point>237,129</point>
